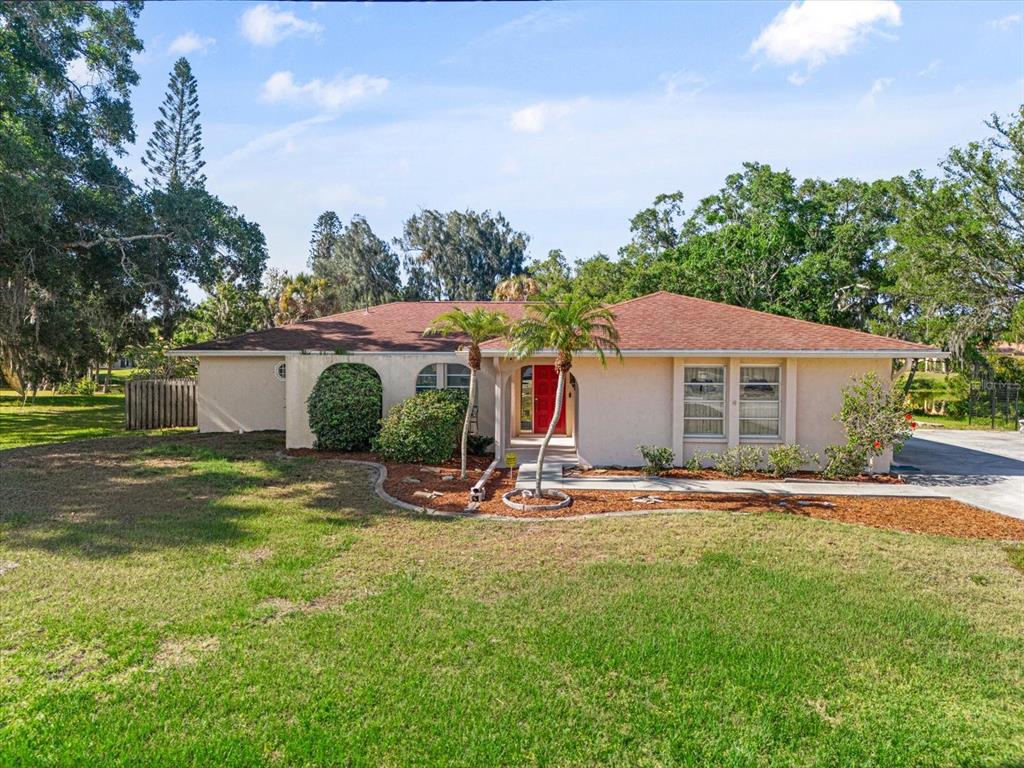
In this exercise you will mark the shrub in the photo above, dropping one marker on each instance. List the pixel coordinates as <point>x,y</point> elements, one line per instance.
<point>739,460</point>
<point>699,460</point>
<point>84,386</point>
<point>477,445</point>
<point>656,458</point>
<point>344,407</point>
<point>424,428</point>
<point>875,416</point>
<point>844,461</point>
<point>784,460</point>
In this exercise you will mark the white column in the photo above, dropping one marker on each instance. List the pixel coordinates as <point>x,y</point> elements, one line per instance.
<point>732,403</point>
<point>789,390</point>
<point>678,444</point>
<point>500,426</point>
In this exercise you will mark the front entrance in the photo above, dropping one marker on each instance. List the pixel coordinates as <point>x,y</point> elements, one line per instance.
<point>538,386</point>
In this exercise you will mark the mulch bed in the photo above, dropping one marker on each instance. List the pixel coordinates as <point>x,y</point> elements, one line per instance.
<point>713,474</point>
<point>915,515</point>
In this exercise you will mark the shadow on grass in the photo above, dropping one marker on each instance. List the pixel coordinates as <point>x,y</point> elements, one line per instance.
<point>115,497</point>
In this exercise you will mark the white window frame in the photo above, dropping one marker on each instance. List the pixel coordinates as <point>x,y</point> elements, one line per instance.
<point>777,402</point>
<point>281,370</point>
<point>440,378</point>
<point>724,384</point>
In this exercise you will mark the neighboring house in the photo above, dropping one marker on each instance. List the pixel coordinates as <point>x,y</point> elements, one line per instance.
<point>695,375</point>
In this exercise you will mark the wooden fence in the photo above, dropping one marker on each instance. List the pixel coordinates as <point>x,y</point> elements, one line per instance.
<point>160,403</point>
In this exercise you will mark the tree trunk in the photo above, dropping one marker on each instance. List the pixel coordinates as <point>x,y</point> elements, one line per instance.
<point>537,491</point>
<point>465,424</point>
<point>910,378</point>
<point>110,372</point>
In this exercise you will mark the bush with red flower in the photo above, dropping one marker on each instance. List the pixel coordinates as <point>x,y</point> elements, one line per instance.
<point>876,419</point>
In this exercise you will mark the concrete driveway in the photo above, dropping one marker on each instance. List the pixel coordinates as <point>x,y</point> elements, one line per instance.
<point>982,468</point>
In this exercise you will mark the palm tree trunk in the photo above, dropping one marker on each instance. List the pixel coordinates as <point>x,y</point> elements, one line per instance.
<point>465,424</point>
<point>537,491</point>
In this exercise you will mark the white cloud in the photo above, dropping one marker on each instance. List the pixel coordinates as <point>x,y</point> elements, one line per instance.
<point>536,117</point>
<point>327,94</point>
<point>798,78</point>
<point>262,25</point>
<point>931,69</point>
<point>190,42</point>
<point>811,32</point>
<point>279,140</point>
<point>683,83</point>
<point>1007,22</point>
<point>880,84</point>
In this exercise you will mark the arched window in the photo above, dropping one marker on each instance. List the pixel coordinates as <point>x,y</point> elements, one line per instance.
<point>426,379</point>
<point>443,376</point>
<point>281,371</point>
<point>456,377</point>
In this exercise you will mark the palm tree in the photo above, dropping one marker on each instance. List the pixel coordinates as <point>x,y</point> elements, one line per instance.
<point>477,326</point>
<point>565,326</point>
<point>517,288</point>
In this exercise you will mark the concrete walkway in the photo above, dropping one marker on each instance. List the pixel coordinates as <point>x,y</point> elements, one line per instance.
<point>979,467</point>
<point>553,478</point>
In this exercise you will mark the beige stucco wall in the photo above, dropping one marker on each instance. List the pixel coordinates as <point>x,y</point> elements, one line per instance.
<point>820,383</point>
<point>640,401</point>
<point>624,404</point>
<point>239,393</point>
<point>398,378</point>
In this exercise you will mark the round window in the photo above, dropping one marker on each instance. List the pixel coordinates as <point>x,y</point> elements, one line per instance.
<point>281,370</point>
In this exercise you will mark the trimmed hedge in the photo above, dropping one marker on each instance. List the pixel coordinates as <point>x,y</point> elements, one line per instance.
<point>344,407</point>
<point>425,428</point>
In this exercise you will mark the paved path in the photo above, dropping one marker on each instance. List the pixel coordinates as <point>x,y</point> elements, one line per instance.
<point>975,466</point>
<point>553,478</point>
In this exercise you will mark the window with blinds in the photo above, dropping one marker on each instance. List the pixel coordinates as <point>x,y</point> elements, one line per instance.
<point>759,401</point>
<point>704,400</point>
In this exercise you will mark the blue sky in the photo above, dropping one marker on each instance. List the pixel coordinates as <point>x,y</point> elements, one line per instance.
<point>567,117</point>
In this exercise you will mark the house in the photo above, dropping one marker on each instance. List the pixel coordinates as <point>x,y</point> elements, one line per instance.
<point>695,375</point>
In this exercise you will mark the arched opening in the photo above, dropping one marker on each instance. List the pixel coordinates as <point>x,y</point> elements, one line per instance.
<point>345,407</point>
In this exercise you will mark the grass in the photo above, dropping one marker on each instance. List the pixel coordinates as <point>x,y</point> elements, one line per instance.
<point>948,422</point>
<point>59,418</point>
<point>202,600</point>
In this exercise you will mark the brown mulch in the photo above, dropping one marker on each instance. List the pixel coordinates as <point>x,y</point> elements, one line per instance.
<point>915,515</point>
<point>713,474</point>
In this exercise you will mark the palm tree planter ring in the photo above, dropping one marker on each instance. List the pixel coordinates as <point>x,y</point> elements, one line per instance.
<point>564,500</point>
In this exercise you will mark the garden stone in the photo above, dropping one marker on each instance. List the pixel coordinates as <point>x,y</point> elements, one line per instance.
<point>411,480</point>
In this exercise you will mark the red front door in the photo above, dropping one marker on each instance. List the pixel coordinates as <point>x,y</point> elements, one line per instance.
<point>545,385</point>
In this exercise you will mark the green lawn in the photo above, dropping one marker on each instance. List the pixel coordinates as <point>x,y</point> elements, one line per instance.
<point>947,422</point>
<point>59,418</point>
<point>202,600</point>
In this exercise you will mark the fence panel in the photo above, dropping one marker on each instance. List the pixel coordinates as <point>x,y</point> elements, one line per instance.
<point>160,403</point>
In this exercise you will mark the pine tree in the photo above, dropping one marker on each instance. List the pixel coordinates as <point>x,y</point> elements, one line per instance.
<point>174,151</point>
<point>326,231</point>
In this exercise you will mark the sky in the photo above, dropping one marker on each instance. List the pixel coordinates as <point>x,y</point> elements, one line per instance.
<point>568,117</point>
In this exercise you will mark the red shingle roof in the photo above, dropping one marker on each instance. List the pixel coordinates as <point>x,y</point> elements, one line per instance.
<point>658,321</point>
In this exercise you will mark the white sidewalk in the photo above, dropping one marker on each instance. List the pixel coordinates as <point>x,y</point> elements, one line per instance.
<point>553,478</point>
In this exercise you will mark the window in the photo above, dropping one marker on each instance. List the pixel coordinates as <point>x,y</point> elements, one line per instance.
<point>526,398</point>
<point>443,376</point>
<point>456,377</point>
<point>426,379</point>
<point>704,400</point>
<point>280,370</point>
<point>759,401</point>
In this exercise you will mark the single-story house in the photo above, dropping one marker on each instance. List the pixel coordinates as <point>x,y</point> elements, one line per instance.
<point>695,375</point>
